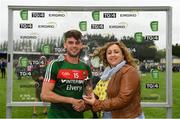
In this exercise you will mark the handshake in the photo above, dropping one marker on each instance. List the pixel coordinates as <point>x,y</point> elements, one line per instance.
<point>80,104</point>
<point>88,96</point>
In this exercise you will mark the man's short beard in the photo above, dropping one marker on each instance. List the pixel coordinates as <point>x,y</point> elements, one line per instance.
<point>74,56</point>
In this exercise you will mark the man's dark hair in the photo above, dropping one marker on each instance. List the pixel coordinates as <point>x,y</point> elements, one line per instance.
<point>73,33</point>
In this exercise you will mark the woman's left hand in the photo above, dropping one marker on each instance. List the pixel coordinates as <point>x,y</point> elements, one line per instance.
<point>89,99</point>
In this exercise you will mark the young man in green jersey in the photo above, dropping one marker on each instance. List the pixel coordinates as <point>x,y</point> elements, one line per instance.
<point>63,83</point>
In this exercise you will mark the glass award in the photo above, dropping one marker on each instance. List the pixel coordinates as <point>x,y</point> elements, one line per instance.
<point>87,86</point>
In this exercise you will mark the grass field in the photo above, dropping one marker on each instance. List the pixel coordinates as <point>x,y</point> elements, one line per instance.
<point>23,93</point>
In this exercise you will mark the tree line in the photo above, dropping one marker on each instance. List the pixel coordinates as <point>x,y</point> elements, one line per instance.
<point>145,50</point>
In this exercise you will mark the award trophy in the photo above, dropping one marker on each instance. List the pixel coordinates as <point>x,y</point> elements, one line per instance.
<point>87,87</point>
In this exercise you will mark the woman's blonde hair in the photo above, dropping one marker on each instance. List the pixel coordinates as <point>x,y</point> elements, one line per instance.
<point>101,52</point>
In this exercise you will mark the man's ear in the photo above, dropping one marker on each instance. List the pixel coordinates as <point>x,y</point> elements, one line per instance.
<point>64,45</point>
<point>82,46</point>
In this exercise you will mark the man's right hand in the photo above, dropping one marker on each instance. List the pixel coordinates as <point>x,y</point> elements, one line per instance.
<point>78,104</point>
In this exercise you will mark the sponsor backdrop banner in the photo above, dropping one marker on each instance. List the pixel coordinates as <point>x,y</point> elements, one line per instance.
<point>38,39</point>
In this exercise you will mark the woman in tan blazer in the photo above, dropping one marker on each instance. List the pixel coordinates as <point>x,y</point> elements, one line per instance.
<point>119,87</point>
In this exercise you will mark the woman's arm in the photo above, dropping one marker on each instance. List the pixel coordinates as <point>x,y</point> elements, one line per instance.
<point>129,85</point>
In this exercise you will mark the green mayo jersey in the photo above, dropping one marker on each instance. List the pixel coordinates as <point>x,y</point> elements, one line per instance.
<point>68,79</point>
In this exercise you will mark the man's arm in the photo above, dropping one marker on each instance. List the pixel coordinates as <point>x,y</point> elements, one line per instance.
<point>48,95</point>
